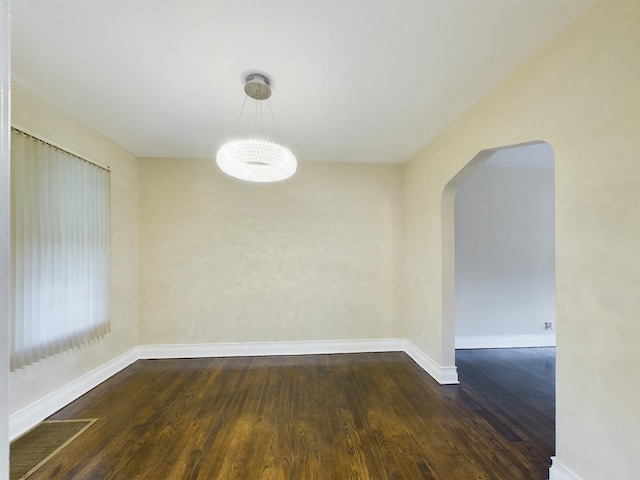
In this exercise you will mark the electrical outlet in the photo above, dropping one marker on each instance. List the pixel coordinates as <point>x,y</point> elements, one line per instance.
<point>547,327</point>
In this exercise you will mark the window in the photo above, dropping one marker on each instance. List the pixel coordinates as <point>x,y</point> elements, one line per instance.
<point>60,250</point>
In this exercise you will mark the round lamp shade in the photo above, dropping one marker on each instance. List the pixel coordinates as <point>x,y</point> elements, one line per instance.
<point>256,160</point>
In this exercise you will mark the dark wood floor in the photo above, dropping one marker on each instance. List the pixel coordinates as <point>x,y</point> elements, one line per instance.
<point>352,416</point>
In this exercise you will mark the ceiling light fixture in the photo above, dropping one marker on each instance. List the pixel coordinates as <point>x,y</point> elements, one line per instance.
<point>256,159</point>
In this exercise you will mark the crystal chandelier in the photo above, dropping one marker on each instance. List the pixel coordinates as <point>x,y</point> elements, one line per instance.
<point>256,159</point>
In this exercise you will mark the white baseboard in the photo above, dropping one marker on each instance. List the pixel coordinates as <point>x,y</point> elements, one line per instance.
<point>442,375</point>
<point>257,349</point>
<point>27,418</point>
<point>560,472</point>
<point>506,341</point>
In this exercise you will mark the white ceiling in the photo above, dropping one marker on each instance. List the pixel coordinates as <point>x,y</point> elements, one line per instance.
<point>357,81</point>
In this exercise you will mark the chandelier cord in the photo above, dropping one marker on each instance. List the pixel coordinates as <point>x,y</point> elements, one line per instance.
<point>239,116</point>
<point>272,117</point>
<point>255,118</point>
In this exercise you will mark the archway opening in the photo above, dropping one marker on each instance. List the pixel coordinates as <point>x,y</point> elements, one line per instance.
<point>502,269</point>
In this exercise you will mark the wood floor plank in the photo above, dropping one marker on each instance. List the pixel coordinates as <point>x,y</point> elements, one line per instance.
<point>374,416</point>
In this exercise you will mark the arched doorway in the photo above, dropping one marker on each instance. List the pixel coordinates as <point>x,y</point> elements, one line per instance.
<point>448,242</point>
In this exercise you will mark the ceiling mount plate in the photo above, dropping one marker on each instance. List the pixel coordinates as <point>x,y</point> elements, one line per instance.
<point>257,87</point>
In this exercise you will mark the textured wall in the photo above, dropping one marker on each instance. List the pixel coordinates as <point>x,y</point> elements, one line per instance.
<point>311,258</point>
<point>580,94</point>
<point>34,114</point>
<point>505,252</point>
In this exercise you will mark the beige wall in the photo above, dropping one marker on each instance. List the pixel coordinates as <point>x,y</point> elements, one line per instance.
<point>36,115</point>
<point>310,258</point>
<point>580,93</point>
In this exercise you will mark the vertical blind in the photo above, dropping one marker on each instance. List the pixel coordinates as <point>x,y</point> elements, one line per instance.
<point>60,250</point>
